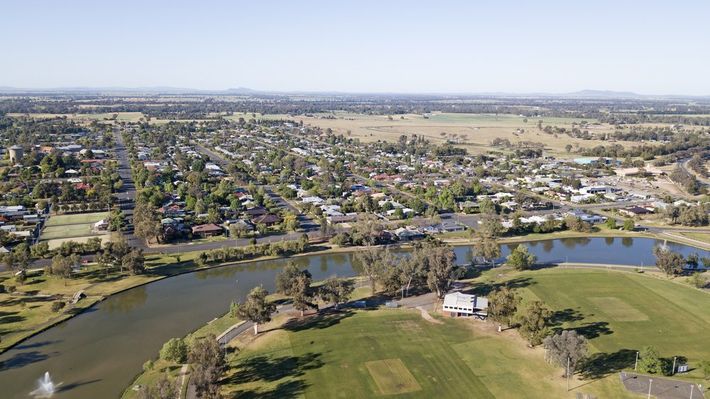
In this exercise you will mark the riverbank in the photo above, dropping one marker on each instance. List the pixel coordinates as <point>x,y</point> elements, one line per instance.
<point>336,340</point>
<point>30,313</point>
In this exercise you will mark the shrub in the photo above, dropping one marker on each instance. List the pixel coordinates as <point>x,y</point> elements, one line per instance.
<point>57,306</point>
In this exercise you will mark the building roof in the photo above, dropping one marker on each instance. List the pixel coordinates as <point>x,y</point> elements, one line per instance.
<point>458,300</point>
<point>206,228</point>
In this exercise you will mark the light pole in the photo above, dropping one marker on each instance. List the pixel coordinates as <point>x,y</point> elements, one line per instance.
<point>650,383</point>
<point>567,373</point>
<point>691,390</point>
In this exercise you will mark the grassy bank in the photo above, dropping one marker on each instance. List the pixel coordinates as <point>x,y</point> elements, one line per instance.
<point>28,311</point>
<point>368,353</point>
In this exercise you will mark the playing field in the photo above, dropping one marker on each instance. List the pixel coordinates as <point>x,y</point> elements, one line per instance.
<point>71,226</point>
<point>77,218</point>
<point>627,311</point>
<point>395,353</point>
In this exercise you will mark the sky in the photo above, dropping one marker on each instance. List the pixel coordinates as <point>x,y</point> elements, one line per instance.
<point>384,46</point>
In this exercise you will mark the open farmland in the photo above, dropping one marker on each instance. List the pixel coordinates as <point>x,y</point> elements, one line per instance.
<point>472,131</point>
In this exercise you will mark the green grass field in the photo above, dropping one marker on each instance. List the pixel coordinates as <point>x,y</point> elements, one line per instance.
<point>395,353</point>
<point>626,311</point>
<point>78,225</point>
<point>77,218</point>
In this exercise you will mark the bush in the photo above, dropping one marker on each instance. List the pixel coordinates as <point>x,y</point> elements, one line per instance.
<point>148,365</point>
<point>57,306</point>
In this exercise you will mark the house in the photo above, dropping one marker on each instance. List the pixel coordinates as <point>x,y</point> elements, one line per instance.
<point>634,211</point>
<point>408,234</point>
<point>586,217</point>
<point>255,212</point>
<point>458,304</point>
<point>268,220</point>
<point>449,226</point>
<point>207,230</point>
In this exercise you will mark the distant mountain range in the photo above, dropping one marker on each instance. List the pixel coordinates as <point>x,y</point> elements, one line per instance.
<point>244,91</point>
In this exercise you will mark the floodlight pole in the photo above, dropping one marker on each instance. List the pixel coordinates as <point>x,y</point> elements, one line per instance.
<point>650,383</point>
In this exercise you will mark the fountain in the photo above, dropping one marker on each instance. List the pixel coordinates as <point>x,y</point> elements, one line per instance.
<point>45,387</point>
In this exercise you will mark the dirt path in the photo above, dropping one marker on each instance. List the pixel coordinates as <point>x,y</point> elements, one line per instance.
<point>183,377</point>
<point>427,316</point>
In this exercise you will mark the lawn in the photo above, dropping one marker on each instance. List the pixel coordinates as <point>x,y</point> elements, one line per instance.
<point>66,231</point>
<point>367,354</point>
<point>78,218</point>
<point>78,225</point>
<point>621,312</point>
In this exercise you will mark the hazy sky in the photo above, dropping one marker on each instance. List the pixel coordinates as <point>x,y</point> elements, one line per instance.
<point>650,47</point>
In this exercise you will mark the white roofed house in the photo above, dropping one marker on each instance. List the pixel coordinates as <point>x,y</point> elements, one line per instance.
<point>458,304</point>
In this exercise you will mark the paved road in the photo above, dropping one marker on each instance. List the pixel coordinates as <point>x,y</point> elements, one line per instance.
<point>127,196</point>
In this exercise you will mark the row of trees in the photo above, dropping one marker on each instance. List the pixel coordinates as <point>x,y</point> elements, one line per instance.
<point>431,265</point>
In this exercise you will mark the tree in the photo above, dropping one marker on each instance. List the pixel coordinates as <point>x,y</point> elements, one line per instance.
<point>413,270</point>
<point>697,280</point>
<point>115,221</point>
<point>175,350</point>
<point>565,348</point>
<point>629,225</point>
<point>335,290</point>
<point>256,308</point>
<point>611,223</point>
<point>290,222</point>
<point>534,322</point>
<point>442,271</point>
<point>520,258</point>
<point>39,250</point>
<point>162,389</point>
<point>145,222</point>
<point>491,227</point>
<point>62,265</point>
<point>668,261</point>
<point>295,283</point>
<point>207,360</point>
<point>502,305</point>
<point>488,249</point>
<point>134,262</point>
<point>372,262</point>
<point>649,361</point>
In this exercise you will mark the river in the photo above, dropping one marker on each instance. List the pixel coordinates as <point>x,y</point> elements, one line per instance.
<point>97,353</point>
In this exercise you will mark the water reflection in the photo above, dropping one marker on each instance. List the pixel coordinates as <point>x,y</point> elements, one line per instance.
<point>131,299</point>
